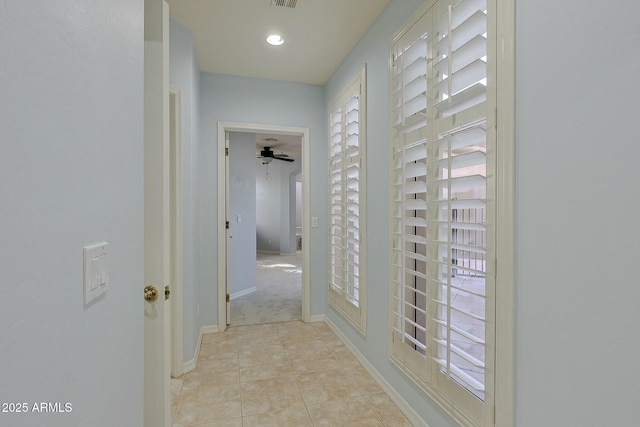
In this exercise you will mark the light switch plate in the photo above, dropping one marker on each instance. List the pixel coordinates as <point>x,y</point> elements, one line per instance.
<point>96,271</point>
<point>314,221</point>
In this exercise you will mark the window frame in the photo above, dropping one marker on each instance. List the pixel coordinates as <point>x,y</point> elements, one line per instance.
<point>501,46</point>
<point>340,300</point>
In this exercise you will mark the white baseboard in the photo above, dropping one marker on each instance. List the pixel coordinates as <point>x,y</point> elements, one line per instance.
<point>317,318</point>
<point>210,329</point>
<point>192,364</point>
<point>402,404</point>
<point>241,293</point>
<point>188,366</point>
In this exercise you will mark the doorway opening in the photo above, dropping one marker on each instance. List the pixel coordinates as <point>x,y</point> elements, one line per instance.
<point>265,212</point>
<point>229,218</point>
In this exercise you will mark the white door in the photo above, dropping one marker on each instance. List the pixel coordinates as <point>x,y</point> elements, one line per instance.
<point>156,214</point>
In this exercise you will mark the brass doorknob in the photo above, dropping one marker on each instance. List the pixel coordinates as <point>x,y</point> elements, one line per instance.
<point>150,293</point>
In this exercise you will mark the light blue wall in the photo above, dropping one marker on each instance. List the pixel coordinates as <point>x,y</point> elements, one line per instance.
<point>268,206</point>
<point>578,145</point>
<point>288,206</point>
<point>241,99</point>
<point>298,203</point>
<point>184,75</point>
<point>373,49</point>
<point>274,195</point>
<point>242,212</point>
<point>71,174</point>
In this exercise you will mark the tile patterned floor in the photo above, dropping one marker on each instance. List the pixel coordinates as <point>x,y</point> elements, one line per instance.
<point>282,374</point>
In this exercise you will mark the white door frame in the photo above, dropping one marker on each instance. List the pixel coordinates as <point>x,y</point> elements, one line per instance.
<point>177,200</point>
<point>228,236</point>
<point>223,128</point>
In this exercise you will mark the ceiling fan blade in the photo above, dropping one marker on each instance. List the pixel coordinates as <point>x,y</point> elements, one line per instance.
<point>286,159</point>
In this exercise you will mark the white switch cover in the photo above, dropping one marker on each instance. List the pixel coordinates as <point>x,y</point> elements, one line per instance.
<point>314,221</point>
<point>96,271</point>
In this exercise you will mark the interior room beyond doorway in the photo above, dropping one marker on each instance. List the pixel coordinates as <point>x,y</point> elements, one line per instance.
<point>265,228</point>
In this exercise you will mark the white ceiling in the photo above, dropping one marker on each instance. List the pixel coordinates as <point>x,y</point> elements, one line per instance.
<point>230,35</point>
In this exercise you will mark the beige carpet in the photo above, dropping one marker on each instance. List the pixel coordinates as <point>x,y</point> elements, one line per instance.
<point>278,294</point>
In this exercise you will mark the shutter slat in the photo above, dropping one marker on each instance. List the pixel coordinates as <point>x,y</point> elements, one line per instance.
<point>415,153</point>
<point>468,98</point>
<point>410,124</point>
<point>466,378</point>
<point>457,288</point>
<point>461,13</point>
<point>464,333</point>
<point>463,183</point>
<point>463,78</point>
<point>459,310</point>
<point>469,248</point>
<point>475,25</point>
<point>457,225</point>
<point>417,105</point>
<point>415,170</point>
<point>416,222</point>
<point>415,205</point>
<point>475,48</point>
<point>416,256</point>
<point>457,350</point>
<point>415,239</point>
<point>472,139</point>
<point>415,187</point>
<point>415,341</point>
<point>473,158</point>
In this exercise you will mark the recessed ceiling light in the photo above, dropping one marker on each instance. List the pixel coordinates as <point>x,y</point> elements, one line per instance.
<point>275,40</point>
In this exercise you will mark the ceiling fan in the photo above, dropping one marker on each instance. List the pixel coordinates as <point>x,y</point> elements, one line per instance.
<point>267,156</point>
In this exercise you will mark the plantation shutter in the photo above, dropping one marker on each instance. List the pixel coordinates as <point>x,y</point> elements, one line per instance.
<point>409,192</point>
<point>336,203</point>
<point>346,144</point>
<point>440,212</point>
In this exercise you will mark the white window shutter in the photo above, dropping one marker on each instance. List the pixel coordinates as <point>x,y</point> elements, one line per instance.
<point>440,211</point>
<point>346,201</point>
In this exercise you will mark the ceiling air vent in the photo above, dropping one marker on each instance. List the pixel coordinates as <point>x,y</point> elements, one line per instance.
<point>284,3</point>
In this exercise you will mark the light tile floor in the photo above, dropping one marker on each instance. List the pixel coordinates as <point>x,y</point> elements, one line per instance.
<point>282,374</point>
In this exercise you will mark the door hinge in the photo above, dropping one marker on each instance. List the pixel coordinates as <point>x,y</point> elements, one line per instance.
<point>495,118</point>
<point>226,151</point>
<point>228,299</point>
<point>227,224</point>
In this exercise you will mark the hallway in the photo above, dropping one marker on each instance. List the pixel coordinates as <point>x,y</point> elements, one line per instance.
<point>281,374</point>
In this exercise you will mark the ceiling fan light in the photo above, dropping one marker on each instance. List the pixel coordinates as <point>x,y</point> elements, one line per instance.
<point>275,40</point>
<point>267,160</point>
